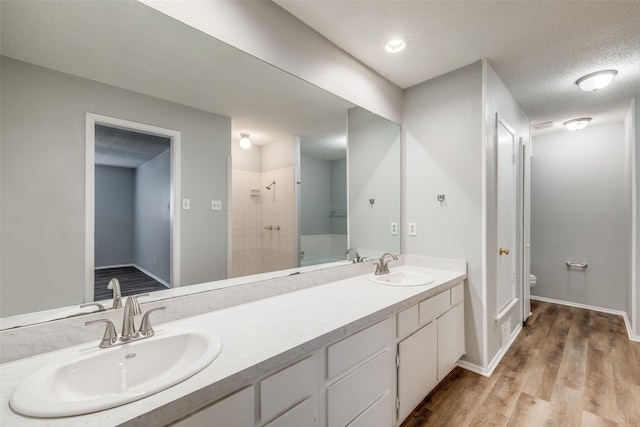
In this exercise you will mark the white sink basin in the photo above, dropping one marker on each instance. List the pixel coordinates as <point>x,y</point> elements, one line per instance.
<point>99,378</point>
<point>402,278</point>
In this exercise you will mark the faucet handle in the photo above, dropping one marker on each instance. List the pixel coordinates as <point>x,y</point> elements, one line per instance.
<point>110,335</point>
<point>145,325</point>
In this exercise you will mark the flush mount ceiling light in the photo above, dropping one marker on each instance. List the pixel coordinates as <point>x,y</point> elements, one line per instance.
<point>577,124</point>
<point>394,46</point>
<point>245,142</point>
<point>594,81</point>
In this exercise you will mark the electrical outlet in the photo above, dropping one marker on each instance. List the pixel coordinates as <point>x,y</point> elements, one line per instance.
<point>216,205</point>
<point>186,204</point>
<point>394,228</point>
<point>412,229</point>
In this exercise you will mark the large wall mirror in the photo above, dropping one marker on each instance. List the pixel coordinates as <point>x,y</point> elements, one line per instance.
<point>120,132</point>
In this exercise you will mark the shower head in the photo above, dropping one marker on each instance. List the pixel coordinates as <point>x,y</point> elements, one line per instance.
<point>268,187</point>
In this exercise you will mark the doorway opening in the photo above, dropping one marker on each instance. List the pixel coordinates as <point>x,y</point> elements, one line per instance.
<point>132,231</point>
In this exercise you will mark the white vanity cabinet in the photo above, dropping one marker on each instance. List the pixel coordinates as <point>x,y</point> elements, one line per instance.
<point>450,340</point>
<point>417,368</point>
<point>235,410</point>
<point>431,335</point>
<point>361,378</point>
<point>372,378</point>
<point>288,397</point>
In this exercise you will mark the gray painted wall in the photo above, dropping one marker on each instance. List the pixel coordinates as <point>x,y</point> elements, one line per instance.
<point>339,196</point>
<point>43,164</point>
<point>114,218</point>
<point>444,145</point>
<point>578,214</point>
<point>152,216</point>
<point>373,151</point>
<point>315,196</point>
<point>442,130</point>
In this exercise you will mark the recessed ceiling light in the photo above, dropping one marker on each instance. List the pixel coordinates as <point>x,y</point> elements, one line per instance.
<point>577,124</point>
<point>245,142</point>
<point>594,81</point>
<point>394,46</point>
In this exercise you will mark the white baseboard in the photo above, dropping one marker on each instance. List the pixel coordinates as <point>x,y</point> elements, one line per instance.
<point>488,371</point>
<point>630,333</point>
<point>104,267</point>
<point>153,276</point>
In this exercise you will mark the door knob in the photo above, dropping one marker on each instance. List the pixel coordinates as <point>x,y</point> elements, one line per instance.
<point>503,251</point>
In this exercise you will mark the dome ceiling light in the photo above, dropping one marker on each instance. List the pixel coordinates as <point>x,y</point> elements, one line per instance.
<point>245,142</point>
<point>577,124</point>
<point>395,46</point>
<point>598,80</point>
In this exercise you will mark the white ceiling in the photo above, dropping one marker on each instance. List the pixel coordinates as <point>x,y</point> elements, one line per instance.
<point>129,45</point>
<point>538,48</point>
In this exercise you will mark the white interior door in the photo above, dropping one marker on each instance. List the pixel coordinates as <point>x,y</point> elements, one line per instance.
<point>506,212</point>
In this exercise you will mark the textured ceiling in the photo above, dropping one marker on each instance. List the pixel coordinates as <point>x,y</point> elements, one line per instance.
<point>125,148</point>
<point>538,48</point>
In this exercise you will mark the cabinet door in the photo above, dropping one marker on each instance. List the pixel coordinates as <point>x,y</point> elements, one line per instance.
<point>301,415</point>
<point>352,395</point>
<point>287,387</point>
<point>450,340</point>
<point>417,372</point>
<point>233,411</point>
<point>380,414</point>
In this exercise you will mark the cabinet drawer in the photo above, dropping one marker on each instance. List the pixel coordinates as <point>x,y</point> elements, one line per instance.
<point>352,395</point>
<point>457,294</point>
<point>287,387</point>
<point>232,411</point>
<point>434,306</point>
<point>355,349</point>
<point>408,321</point>
<point>380,414</point>
<point>301,415</point>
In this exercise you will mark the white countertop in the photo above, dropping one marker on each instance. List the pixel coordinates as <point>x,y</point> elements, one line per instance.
<point>258,338</point>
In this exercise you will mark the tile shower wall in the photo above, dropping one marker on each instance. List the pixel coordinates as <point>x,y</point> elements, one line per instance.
<point>279,246</point>
<point>246,223</point>
<point>256,249</point>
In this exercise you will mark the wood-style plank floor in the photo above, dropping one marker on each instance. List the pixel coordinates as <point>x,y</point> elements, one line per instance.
<point>132,282</point>
<point>568,367</point>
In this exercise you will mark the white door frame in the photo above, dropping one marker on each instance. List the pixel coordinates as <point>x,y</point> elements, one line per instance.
<point>90,144</point>
<point>504,308</point>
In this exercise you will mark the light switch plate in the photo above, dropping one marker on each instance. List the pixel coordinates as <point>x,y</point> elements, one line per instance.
<point>216,205</point>
<point>412,229</point>
<point>186,204</point>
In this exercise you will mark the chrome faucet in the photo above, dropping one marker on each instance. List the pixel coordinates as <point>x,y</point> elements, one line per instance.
<point>382,266</point>
<point>131,309</point>
<point>117,296</point>
<point>129,333</point>
<point>357,258</point>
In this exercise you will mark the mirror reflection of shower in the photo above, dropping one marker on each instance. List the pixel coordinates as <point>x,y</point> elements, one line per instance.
<point>268,187</point>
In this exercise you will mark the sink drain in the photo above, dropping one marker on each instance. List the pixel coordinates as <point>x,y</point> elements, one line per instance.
<point>130,356</point>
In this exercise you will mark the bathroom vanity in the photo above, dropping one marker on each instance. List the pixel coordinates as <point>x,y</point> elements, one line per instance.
<point>350,352</point>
